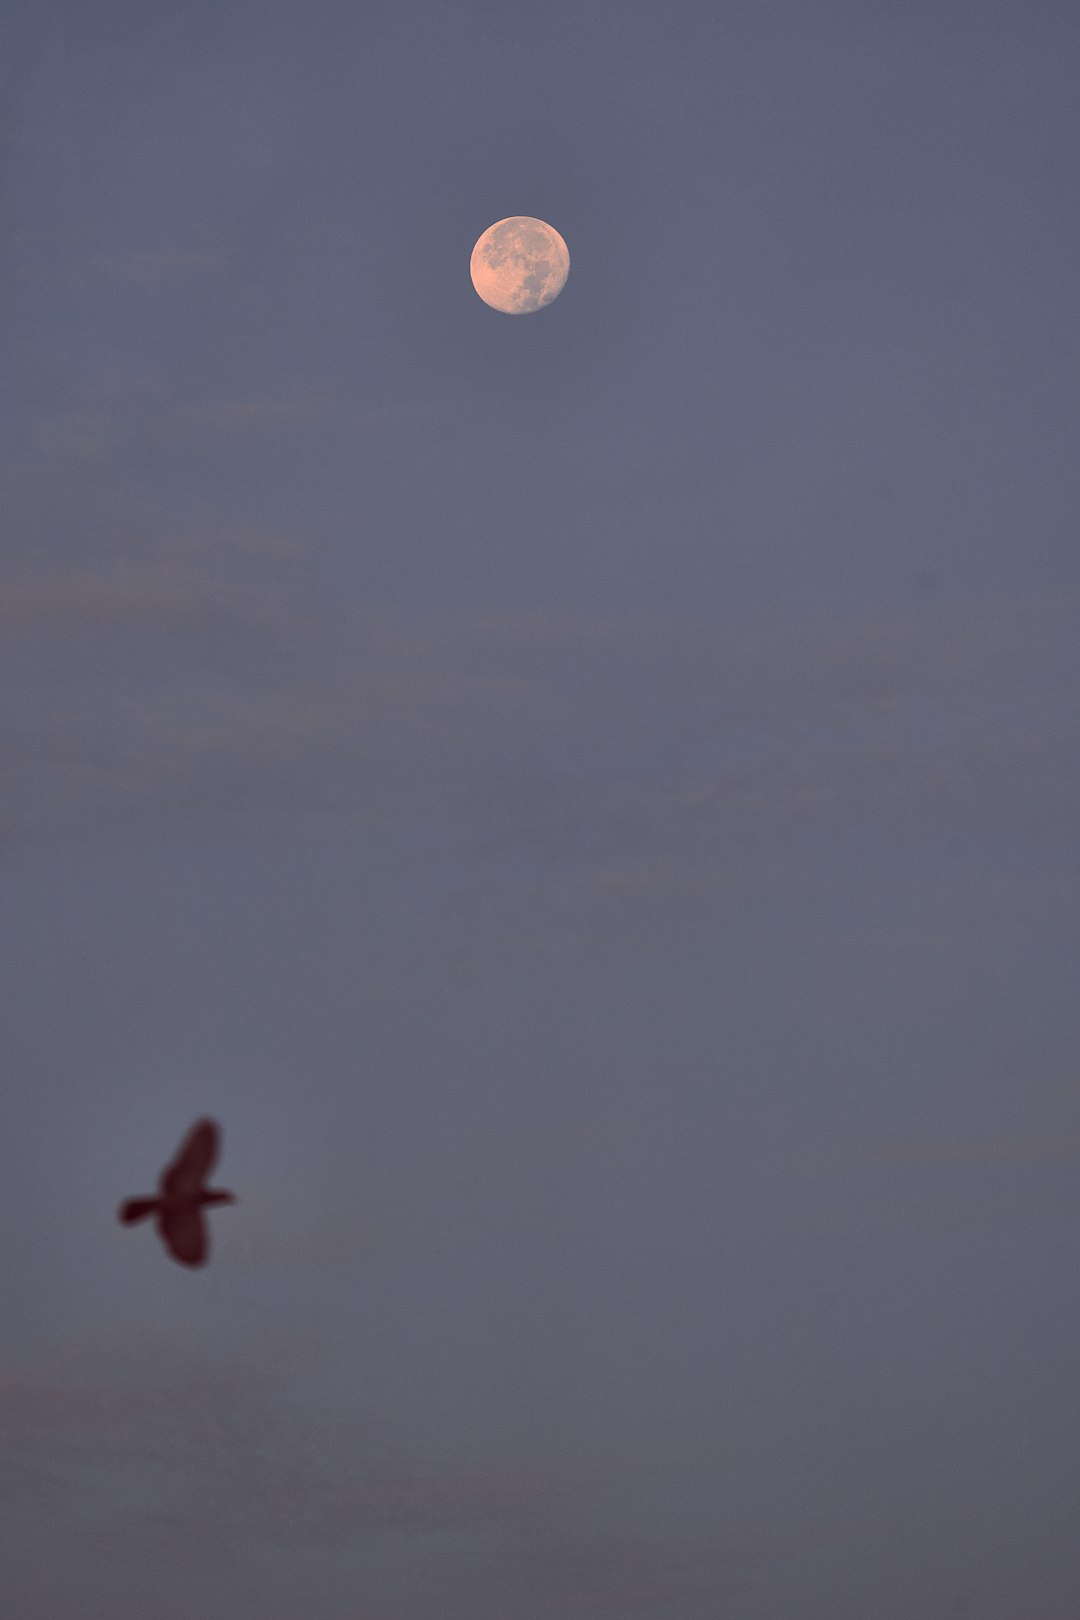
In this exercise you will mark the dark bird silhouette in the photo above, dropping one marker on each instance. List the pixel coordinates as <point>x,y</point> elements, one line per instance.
<point>183,1197</point>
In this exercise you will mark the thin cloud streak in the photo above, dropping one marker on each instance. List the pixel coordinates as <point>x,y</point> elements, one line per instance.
<point>310,710</point>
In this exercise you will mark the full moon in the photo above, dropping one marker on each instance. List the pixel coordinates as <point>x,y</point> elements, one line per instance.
<point>519,265</point>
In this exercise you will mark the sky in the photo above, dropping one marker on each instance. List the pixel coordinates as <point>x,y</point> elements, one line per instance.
<point>587,800</point>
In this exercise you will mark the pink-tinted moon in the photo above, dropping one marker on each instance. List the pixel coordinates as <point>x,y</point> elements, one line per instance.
<point>519,265</point>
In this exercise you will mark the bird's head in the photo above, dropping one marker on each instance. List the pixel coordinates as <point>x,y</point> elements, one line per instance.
<point>213,1196</point>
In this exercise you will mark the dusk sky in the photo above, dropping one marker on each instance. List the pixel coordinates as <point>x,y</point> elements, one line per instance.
<point>588,800</point>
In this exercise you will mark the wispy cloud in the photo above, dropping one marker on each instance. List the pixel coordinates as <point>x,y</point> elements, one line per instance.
<point>153,264</point>
<point>1014,1157</point>
<point>264,1465</point>
<point>1017,1146</point>
<point>42,1403</point>
<point>215,1460</point>
<point>138,586</point>
<point>197,668</point>
<point>41,263</point>
<point>237,415</point>
<point>613,763</point>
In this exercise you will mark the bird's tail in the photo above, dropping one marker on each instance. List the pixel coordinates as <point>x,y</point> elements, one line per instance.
<point>137,1209</point>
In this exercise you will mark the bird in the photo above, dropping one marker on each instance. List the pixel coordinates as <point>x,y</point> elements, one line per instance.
<point>183,1195</point>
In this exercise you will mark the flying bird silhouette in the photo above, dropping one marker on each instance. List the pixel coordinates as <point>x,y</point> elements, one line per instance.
<point>183,1197</point>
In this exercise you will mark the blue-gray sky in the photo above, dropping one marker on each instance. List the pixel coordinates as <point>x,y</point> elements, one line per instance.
<point>589,801</point>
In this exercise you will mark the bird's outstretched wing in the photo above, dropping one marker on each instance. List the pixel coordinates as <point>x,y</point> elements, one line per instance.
<point>185,1236</point>
<point>184,1177</point>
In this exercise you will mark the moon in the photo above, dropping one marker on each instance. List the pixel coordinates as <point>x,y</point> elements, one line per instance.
<point>519,265</point>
